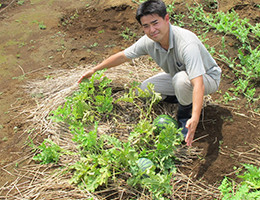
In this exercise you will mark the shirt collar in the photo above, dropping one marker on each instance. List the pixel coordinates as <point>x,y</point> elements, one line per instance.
<point>171,37</point>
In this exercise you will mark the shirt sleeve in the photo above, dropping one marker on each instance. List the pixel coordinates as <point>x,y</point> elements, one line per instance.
<point>193,61</point>
<point>137,49</point>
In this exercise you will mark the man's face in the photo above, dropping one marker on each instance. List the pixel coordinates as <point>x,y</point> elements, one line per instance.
<point>155,27</point>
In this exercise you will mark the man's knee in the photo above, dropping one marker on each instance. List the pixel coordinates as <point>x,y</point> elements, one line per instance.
<point>182,88</point>
<point>181,80</point>
<point>162,84</point>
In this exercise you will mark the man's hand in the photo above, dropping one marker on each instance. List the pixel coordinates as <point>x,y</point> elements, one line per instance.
<point>191,125</point>
<point>88,74</point>
<point>111,61</point>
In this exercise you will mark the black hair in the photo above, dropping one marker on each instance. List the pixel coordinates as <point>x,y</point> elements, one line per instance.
<point>151,7</point>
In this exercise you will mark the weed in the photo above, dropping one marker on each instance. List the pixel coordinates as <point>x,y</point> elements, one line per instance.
<point>48,77</point>
<point>203,38</point>
<point>49,152</point>
<point>170,9</point>
<point>20,2</point>
<point>226,119</point>
<point>94,45</point>
<point>128,34</point>
<point>74,16</point>
<point>68,20</point>
<point>109,46</point>
<point>247,66</point>
<point>227,97</point>
<point>212,4</point>
<point>139,1</point>
<point>40,24</point>
<point>177,18</point>
<point>247,189</point>
<point>20,78</point>
<point>22,44</point>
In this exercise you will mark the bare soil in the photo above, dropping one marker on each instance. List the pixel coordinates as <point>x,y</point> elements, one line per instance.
<point>84,32</point>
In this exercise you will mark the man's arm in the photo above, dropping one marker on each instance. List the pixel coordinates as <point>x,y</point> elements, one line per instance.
<point>111,61</point>
<point>197,100</point>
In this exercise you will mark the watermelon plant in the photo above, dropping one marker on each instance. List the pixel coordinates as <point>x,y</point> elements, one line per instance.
<point>104,159</point>
<point>49,152</point>
<point>248,188</point>
<point>91,103</point>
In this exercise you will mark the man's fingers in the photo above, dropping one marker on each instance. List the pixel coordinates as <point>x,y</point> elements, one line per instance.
<point>188,140</point>
<point>190,135</point>
<point>79,81</point>
<point>81,78</point>
<point>88,74</point>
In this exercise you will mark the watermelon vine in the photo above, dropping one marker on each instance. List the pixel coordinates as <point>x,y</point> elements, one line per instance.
<point>105,158</point>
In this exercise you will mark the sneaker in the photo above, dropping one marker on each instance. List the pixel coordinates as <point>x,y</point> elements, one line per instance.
<point>171,99</point>
<point>182,124</point>
<point>183,115</point>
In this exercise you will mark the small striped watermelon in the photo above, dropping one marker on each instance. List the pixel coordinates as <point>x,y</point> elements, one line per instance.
<point>161,121</point>
<point>144,163</point>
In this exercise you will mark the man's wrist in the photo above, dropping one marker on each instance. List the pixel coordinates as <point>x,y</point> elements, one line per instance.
<point>195,118</point>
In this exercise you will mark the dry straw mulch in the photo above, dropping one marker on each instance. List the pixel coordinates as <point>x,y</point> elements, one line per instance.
<point>36,181</point>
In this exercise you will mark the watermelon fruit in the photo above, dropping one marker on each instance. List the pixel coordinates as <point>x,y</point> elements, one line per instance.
<point>144,163</point>
<point>161,121</point>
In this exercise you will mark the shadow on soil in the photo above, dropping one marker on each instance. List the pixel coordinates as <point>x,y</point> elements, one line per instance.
<point>210,130</point>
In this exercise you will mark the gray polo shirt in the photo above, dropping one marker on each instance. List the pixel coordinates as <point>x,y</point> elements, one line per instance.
<point>185,53</point>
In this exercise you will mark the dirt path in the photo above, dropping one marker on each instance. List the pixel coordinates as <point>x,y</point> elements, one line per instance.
<point>40,36</point>
<point>29,35</point>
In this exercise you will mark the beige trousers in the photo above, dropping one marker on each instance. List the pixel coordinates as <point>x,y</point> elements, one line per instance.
<point>179,85</point>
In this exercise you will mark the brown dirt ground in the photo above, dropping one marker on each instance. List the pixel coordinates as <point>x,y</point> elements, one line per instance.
<point>72,29</point>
